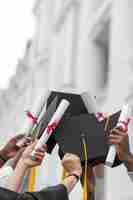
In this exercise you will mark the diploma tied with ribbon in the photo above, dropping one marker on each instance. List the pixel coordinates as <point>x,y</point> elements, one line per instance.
<point>33,116</point>
<point>122,125</point>
<point>52,125</point>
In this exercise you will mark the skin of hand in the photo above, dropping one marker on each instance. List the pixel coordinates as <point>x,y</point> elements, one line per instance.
<point>72,164</point>
<point>24,164</point>
<point>39,155</point>
<point>121,140</point>
<point>13,161</point>
<point>11,149</point>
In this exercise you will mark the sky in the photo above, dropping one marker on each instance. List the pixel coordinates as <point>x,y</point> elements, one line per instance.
<point>16,27</point>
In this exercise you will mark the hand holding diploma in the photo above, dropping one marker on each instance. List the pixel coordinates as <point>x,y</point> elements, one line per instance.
<point>122,125</point>
<point>52,124</point>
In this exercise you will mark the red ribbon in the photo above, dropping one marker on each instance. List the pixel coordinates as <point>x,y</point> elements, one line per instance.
<point>52,127</point>
<point>32,117</point>
<point>99,115</point>
<point>125,123</point>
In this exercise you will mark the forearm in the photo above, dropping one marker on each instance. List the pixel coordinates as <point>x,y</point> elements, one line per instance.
<point>16,179</point>
<point>129,163</point>
<point>70,182</point>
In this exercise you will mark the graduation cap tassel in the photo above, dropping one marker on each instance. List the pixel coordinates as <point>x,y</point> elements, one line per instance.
<point>85,185</point>
<point>32,180</point>
<point>85,192</point>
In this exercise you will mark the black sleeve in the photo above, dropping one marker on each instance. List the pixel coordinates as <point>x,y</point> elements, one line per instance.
<point>6,194</point>
<point>58,192</point>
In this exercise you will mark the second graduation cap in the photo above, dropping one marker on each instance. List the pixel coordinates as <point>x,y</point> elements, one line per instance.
<point>69,135</point>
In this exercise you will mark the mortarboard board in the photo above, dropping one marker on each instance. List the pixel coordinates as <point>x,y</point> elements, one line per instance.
<point>70,133</point>
<point>76,122</point>
<point>76,107</point>
<point>69,137</point>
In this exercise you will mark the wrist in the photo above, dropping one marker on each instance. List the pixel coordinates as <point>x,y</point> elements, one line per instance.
<point>70,181</point>
<point>22,165</point>
<point>75,173</point>
<point>77,177</point>
<point>78,172</point>
<point>128,162</point>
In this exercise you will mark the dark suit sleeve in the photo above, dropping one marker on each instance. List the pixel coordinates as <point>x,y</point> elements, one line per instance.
<point>6,194</point>
<point>58,192</point>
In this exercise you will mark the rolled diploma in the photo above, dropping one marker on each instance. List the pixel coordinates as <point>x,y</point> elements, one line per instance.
<point>112,150</point>
<point>57,116</point>
<point>35,111</point>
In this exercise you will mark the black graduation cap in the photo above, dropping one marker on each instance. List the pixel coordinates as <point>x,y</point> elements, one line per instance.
<point>72,133</point>
<point>76,107</point>
<point>76,126</point>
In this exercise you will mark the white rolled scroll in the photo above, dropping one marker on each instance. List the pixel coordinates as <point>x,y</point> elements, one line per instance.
<point>123,124</point>
<point>57,116</point>
<point>35,111</point>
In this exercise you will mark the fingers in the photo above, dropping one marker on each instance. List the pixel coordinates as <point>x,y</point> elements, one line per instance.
<point>71,163</point>
<point>70,157</point>
<point>39,154</point>
<point>24,142</point>
<point>32,146</point>
<point>117,136</point>
<point>118,132</point>
<point>115,139</point>
<point>39,157</point>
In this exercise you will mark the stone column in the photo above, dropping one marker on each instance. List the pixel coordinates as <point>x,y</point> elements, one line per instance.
<point>64,44</point>
<point>90,55</point>
<point>42,46</point>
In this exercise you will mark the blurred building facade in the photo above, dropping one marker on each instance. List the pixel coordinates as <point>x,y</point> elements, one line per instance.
<point>87,45</point>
